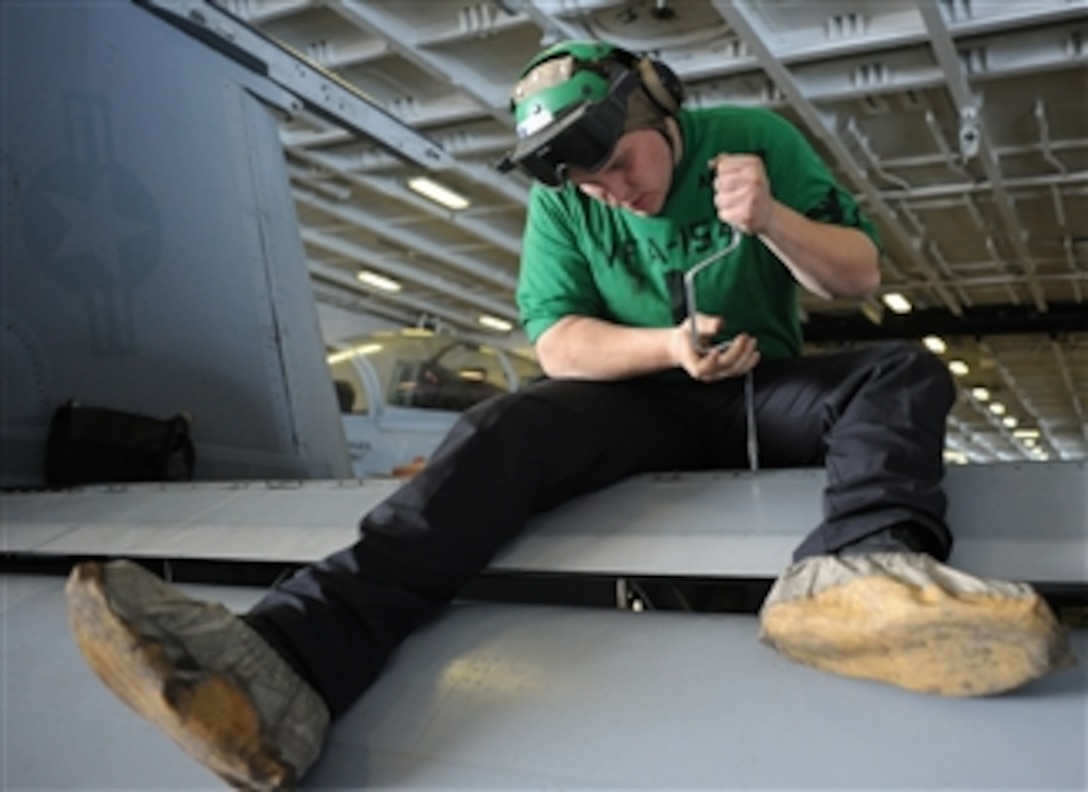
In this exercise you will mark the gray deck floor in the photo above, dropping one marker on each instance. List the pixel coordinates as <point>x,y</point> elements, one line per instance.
<point>502,696</point>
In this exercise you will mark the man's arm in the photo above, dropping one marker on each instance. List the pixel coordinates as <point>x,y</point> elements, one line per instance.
<point>828,260</point>
<point>583,347</point>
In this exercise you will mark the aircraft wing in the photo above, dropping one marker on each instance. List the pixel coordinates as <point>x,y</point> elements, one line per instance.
<point>510,694</point>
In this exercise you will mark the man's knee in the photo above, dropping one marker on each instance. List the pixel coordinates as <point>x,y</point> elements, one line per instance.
<point>921,368</point>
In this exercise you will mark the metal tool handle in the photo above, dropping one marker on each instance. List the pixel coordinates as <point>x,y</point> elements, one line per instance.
<point>696,344</point>
<point>750,411</point>
<point>689,287</point>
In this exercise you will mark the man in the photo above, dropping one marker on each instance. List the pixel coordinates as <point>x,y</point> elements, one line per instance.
<point>657,360</point>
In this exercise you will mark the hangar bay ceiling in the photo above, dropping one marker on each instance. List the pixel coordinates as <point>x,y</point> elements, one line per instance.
<point>962,125</point>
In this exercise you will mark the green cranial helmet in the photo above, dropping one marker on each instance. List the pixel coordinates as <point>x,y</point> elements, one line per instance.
<point>559,79</point>
<point>574,101</point>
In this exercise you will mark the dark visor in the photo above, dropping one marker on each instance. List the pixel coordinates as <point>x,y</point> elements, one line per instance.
<point>583,138</point>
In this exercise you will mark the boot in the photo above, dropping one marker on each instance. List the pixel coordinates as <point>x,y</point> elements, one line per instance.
<point>198,673</point>
<point>905,619</point>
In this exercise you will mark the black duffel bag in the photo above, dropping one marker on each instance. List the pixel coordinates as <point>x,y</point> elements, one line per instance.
<point>89,445</point>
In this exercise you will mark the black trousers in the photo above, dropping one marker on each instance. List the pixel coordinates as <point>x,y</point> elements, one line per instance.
<point>875,416</point>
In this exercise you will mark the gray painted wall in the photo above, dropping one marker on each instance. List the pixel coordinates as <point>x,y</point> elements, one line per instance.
<point>151,253</point>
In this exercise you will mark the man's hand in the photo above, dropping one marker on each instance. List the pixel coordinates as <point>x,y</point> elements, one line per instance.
<point>742,193</point>
<point>827,259</point>
<point>710,364</point>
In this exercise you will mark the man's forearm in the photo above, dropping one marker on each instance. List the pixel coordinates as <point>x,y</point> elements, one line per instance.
<point>828,260</point>
<point>582,347</point>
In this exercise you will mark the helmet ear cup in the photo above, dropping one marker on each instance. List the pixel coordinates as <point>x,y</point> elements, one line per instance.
<point>662,85</point>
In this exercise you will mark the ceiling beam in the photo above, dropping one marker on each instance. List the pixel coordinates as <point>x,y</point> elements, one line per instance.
<point>1076,398</point>
<point>408,273</point>
<point>417,306</point>
<point>975,140</point>
<point>321,91</point>
<point>744,19</point>
<point>406,40</point>
<point>468,267</point>
<point>1027,404</point>
<point>392,188</point>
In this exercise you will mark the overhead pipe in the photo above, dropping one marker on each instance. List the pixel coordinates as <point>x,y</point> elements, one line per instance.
<point>973,138</point>
<point>1044,138</point>
<point>873,159</point>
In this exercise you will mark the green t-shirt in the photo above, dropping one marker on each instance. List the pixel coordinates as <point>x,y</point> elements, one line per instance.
<point>581,257</point>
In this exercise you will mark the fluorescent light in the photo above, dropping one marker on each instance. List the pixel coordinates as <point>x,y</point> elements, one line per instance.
<point>378,281</point>
<point>935,344</point>
<point>350,352</point>
<point>997,408</point>
<point>980,394</point>
<point>438,193</point>
<point>897,302</point>
<point>1026,433</point>
<point>1010,422</point>
<point>958,367</point>
<point>955,457</point>
<point>495,323</point>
